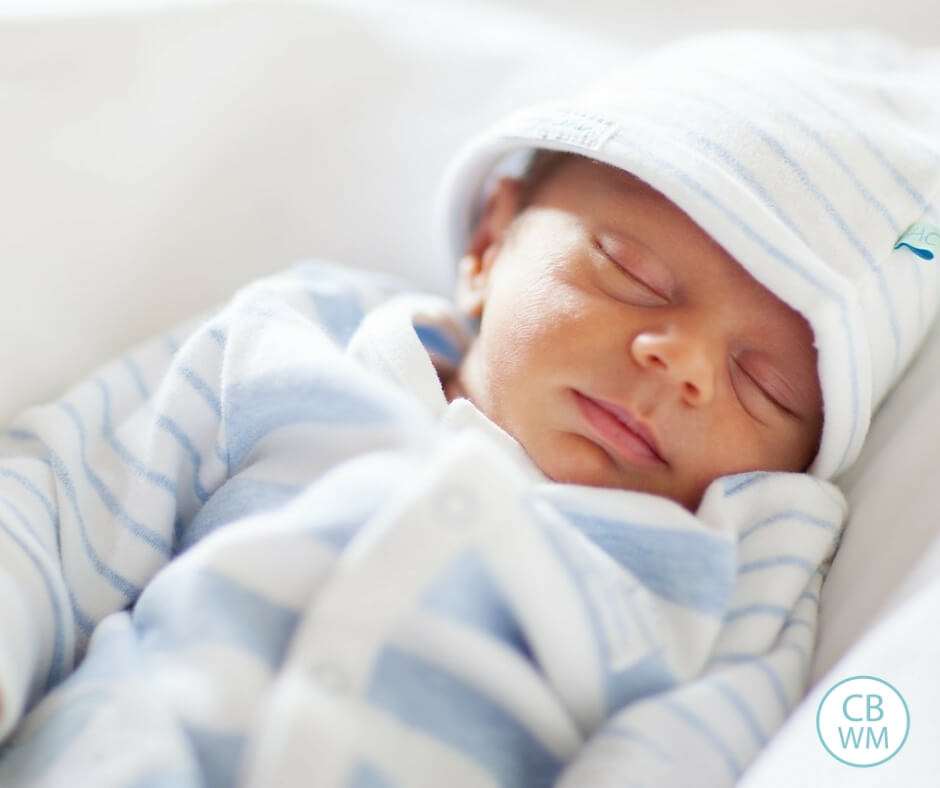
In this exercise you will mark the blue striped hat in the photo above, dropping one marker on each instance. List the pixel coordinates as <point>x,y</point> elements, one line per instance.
<point>813,159</point>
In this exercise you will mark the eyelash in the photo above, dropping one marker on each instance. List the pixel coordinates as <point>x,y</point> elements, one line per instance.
<point>629,274</point>
<point>763,391</point>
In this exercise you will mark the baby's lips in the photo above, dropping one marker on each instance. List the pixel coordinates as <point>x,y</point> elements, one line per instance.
<point>635,425</point>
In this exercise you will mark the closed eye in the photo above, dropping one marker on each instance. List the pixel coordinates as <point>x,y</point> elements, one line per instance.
<point>628,272</point>
<point>754,383</point>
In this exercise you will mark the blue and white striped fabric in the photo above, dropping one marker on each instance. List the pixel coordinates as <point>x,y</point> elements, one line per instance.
<point>294,563</point>
<point>806,156</point>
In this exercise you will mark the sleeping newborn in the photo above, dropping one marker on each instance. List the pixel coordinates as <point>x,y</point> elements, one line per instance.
<point>568,528</point>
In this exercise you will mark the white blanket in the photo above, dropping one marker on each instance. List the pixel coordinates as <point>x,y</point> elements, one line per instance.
<point>397,596</point>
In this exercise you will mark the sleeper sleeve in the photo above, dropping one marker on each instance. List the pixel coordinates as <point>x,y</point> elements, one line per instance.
<point>101,488</point>
<point>93,490</point>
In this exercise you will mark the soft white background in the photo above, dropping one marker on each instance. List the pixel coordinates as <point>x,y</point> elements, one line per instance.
<point>154,156</point>
<point>913,19</point>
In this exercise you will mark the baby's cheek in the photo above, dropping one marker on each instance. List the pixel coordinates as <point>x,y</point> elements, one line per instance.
<point>731,444</point>
<point>520,328</point>
<point>780,449</point>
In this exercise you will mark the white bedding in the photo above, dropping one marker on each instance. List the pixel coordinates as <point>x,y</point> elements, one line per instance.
<point>153,162</point>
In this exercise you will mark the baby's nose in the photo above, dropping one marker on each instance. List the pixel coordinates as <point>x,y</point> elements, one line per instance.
<point>683,358</point>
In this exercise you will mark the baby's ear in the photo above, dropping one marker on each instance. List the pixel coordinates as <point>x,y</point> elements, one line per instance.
<point>485,243</point>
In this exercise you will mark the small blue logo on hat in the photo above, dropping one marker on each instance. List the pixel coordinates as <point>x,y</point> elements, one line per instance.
<point>922,239</point>
<point>863,721</point>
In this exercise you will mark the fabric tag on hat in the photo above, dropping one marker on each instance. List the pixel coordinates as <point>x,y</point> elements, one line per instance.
<point>922,239</point>
<point>571,127</point>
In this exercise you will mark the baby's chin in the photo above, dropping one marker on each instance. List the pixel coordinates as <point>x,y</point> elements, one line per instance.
<point>568,458</point>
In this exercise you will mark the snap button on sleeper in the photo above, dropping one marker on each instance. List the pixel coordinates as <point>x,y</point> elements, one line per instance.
<point>457,506</point>
<point>330,678</point>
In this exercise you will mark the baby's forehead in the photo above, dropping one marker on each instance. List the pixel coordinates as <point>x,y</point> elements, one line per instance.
<point>546,166</point>
<point>581,177</point>
<point>617,192</point>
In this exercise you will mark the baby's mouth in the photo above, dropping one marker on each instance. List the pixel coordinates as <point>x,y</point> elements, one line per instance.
<point>618,429</point>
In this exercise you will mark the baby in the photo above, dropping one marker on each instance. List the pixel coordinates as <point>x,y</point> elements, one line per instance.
<point>556,533</point>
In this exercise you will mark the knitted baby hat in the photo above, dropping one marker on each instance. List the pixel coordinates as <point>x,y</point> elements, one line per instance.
<point>812,159</point>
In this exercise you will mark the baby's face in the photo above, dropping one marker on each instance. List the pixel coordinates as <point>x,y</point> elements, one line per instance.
<point>622,347</point>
